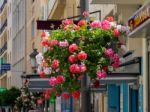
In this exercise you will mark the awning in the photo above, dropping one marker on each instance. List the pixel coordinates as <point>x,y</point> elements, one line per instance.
<point>38,84</point>
<point>119,80</point>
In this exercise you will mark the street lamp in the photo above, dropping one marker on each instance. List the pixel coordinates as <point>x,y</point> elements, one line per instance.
<point>33,60</point>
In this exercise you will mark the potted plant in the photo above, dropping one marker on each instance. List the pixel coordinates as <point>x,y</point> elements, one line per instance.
<point>88,47</point>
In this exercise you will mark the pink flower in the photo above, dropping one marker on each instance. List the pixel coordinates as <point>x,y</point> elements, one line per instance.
<point>95,24</point>
<point>42,74</point>
<point>116,32</point>
<point>82,55</point>
<point>115,64</point>
<point>85,13</point>
<point>45,42</point>
<point>82,23</point>
<point>105,25</point>
<point>65,95</point>
<point>58,94</point>
<point>53,81</point>
<point>74,68</point>
<point>45,35</point>
<point>47,96</point>
<point>73,48</point>
<point>60,79</point>
<point>101,74</point>
<point>68,21</point>
<point>63,43</point>
<point>116,58</point>
<point>76,27</point>
<point>82,68</point>
<point>72,59</point>
<point>109,52</point>
<point>76,94</point>
<point>55,64</point>
<point>47,93</point>
<point>66,27</point>
<point>39,101</point>
<point>53,42</point>
<point>110,18</point>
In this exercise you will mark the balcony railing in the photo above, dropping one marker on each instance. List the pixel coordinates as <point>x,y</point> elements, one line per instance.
<point>3,26</point>
<point>3,5</point>
<point>3,49</point>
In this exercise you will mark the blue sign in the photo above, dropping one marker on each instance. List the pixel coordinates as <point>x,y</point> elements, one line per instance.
<point>5,67</point>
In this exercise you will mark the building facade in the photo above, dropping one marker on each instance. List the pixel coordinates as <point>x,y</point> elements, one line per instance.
<point>5,41</point>
<point>33,13</point>
<point>18,41</point>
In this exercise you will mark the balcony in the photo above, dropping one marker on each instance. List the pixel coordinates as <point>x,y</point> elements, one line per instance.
<point>3,49</point>
<point>131,2</point>
<point>3,5</point>
<point>3,26</point>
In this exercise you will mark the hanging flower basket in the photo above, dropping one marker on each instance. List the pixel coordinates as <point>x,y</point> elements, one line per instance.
<point>77,49</point>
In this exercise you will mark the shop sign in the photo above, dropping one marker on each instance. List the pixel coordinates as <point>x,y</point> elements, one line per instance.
<point>139,17</point>
<point>5,67</point>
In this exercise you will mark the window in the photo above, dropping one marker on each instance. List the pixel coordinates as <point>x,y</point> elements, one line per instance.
<point>33,28</point>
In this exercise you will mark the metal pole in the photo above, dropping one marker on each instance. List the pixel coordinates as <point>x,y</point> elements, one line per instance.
<point>84,6</point>
<point>85,98</point>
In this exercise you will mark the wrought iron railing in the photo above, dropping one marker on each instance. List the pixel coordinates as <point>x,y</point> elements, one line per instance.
<point>3,5</point>
<point>3,49</point>
<point>3,26</point>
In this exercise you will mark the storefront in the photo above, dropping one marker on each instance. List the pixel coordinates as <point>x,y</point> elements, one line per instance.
<point>123,89</point>
<point>139,24</point>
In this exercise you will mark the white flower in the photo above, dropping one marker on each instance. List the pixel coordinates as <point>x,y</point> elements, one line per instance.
<point>39,58</point>
<point>110,68</point>
<point>113,24</point>
<point>39,69</point>
<point>47,34</point>
<point>124,48</point>
<point>119,27</point>
<point>122,60</point>
<point>125,29</point>
<point>47,70</point>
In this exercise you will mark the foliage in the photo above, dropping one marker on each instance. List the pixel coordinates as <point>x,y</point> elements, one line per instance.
<point>8,97</point>
<point>26,99</point>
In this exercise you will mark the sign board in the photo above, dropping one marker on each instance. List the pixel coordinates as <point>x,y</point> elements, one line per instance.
<point>5,67</point>
<point>139,19</point>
